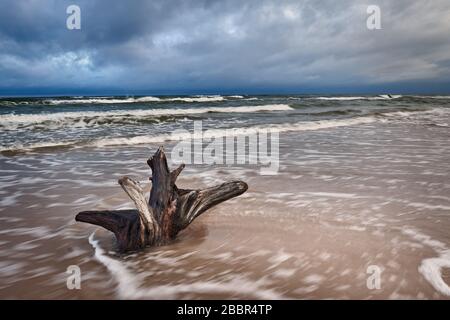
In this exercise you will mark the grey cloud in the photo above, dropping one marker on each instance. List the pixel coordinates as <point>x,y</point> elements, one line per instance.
<point>195,45</point>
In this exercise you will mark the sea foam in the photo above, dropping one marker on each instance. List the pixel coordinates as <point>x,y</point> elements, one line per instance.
<point>130,285</point>
<point>146,99</point>
<point>431,268</point>
<point>208,134</point>
<point>380,97</point>
<point>14,121</point>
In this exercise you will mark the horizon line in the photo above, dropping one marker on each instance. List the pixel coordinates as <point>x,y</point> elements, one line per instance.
<point>100,94</point>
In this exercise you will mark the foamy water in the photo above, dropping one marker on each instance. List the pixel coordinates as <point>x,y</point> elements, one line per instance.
<point>55,119</point>
<point>352,98</point>
<point>138,100</point>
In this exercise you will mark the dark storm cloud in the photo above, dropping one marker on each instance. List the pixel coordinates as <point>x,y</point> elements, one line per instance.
<point>224,45</point>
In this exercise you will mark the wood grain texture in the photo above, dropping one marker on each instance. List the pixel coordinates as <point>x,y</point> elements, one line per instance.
<point>168,211</point>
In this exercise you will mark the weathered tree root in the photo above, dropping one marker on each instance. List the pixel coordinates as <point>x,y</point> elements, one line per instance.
<point>168,211</point>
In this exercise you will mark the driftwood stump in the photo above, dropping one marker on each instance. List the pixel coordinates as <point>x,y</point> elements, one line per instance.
<point>168,211</point>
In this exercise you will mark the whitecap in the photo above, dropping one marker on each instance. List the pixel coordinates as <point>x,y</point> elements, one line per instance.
<point>53,120</point>
<point>351,98</point>
<point>146,99</point>
<point>208,134</point>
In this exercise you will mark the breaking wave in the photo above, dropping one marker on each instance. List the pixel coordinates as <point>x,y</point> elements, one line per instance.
<point>217,133</point>
<point>90,118</point>
<point>380,97</point>
<point>184,134</point>
<point>215,98</point>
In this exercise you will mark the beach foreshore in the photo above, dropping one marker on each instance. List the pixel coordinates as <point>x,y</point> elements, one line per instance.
<point>371,198</point>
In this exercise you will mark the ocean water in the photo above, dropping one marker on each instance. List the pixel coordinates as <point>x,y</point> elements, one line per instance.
<point>363,181</point>
<point>30,124</point>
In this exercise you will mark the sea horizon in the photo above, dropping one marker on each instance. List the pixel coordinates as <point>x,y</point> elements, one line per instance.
<point>226,93</point>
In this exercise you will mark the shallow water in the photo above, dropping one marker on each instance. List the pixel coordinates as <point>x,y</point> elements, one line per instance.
<point>346,197</point>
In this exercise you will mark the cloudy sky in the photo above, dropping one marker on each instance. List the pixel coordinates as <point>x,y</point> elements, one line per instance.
<point>224,46</point>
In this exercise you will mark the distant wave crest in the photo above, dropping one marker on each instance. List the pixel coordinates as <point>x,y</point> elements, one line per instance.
<point>380,97</point>
<point>214,98</point>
